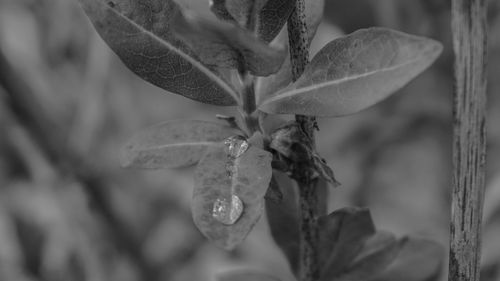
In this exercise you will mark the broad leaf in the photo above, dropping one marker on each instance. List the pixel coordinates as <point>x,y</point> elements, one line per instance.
<point>266,86</point>
<point>222,44</point>
<point>283,217</point>
<point>342,236</point>
<point>173,144</point>
<point>139,32</point>
<point>220,181</point>
<point>378,252</point>
<point>354,72</point>
<point>268,21</point>
<point>419,260</point>
<point>245,276</point>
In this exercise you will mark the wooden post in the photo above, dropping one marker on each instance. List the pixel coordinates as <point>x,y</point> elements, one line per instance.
<point>469,140</point>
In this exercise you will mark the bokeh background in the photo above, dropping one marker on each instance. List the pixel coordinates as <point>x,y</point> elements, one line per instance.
<point>58,222</point>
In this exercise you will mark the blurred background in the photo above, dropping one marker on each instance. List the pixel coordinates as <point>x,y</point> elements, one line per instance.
<point>75,214</point>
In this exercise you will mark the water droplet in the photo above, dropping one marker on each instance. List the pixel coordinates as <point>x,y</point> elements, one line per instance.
<point>236,146</point>
<point>227,212</point>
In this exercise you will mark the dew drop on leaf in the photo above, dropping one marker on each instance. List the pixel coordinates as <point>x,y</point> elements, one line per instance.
<point>236,146</point>
<point>227,211</point>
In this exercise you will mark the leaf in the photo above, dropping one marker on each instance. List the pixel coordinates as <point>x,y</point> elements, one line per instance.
<point>378,252</point>
<point>269,21</point>
<point>220,177</point>
<point>221,44</point>
<point>245,276</point>
<point>324,170</point>
<point>342,236</point>
<point>245,12</point>
<point>314,15</point>
<point>419,260</point>
<point>274,193</point>
<point>354,72</point>
<point>173,144</point>
<point>139,32</point>
<point>266,86</point>
<point>283,217</point>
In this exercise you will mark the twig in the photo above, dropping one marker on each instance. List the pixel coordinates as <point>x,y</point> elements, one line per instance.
<point>308,199</point>
<point>469,143</point>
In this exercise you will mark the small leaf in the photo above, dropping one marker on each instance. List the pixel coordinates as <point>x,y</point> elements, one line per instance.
<point>268,22</point>
<point>419,260</point>
<point>221,44</point>
<point>269,85</point>
<point>274,193</point>
<point>219,176</point>
<point>378,252</point>
<point>324,170</point>
<point>283,219</point>
<point>245,276</point>
<point>342,236</point>
<point>140,34</point>
<point>355,72</point>
<point>173,144</point>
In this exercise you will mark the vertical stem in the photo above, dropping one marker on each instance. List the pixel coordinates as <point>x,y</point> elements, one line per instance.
<point>249,106</point>
<point>308,199</point>
<point>469,143</point>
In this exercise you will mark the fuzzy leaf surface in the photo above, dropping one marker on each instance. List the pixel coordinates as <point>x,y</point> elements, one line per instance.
<point>222,44</point>
<point>173,144</point>
<point>342,236</point>
<point>354,72</point>
<point>139,32</point>
<point>268,21</point>
<point>269,85</point>
<point>249,180</point>
<point>245,276</point>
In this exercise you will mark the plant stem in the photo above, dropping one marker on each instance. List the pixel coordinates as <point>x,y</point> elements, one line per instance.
<point>308,192</point>
<point>469,143</point>
<point>249,106</point>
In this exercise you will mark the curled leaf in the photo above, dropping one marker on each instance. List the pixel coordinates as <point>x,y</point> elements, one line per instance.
<point>139,32</point>
<point>221,44</point>
<point>269,16</point>
<point>354,72</point>
<point>220,177</point>
<point>173,144</point>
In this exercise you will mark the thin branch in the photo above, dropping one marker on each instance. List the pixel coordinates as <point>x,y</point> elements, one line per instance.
<point>303,172</point>
<point>469,143</point>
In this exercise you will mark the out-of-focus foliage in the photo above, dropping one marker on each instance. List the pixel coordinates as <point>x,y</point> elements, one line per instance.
<point>393,158</point>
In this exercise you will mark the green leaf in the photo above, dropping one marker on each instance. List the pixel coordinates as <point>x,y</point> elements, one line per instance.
<point>173,144</point>
<point>342,236</point>
<point>354,72</point>
<point>245,276</point>
<point>419,260</point>
<point>268,21</point>
<point>266,86</point>
<point>222,44</point>
<point>139,32</point>
<point>218,178</point>
<point>283,217</point>
<point>378,252</point>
